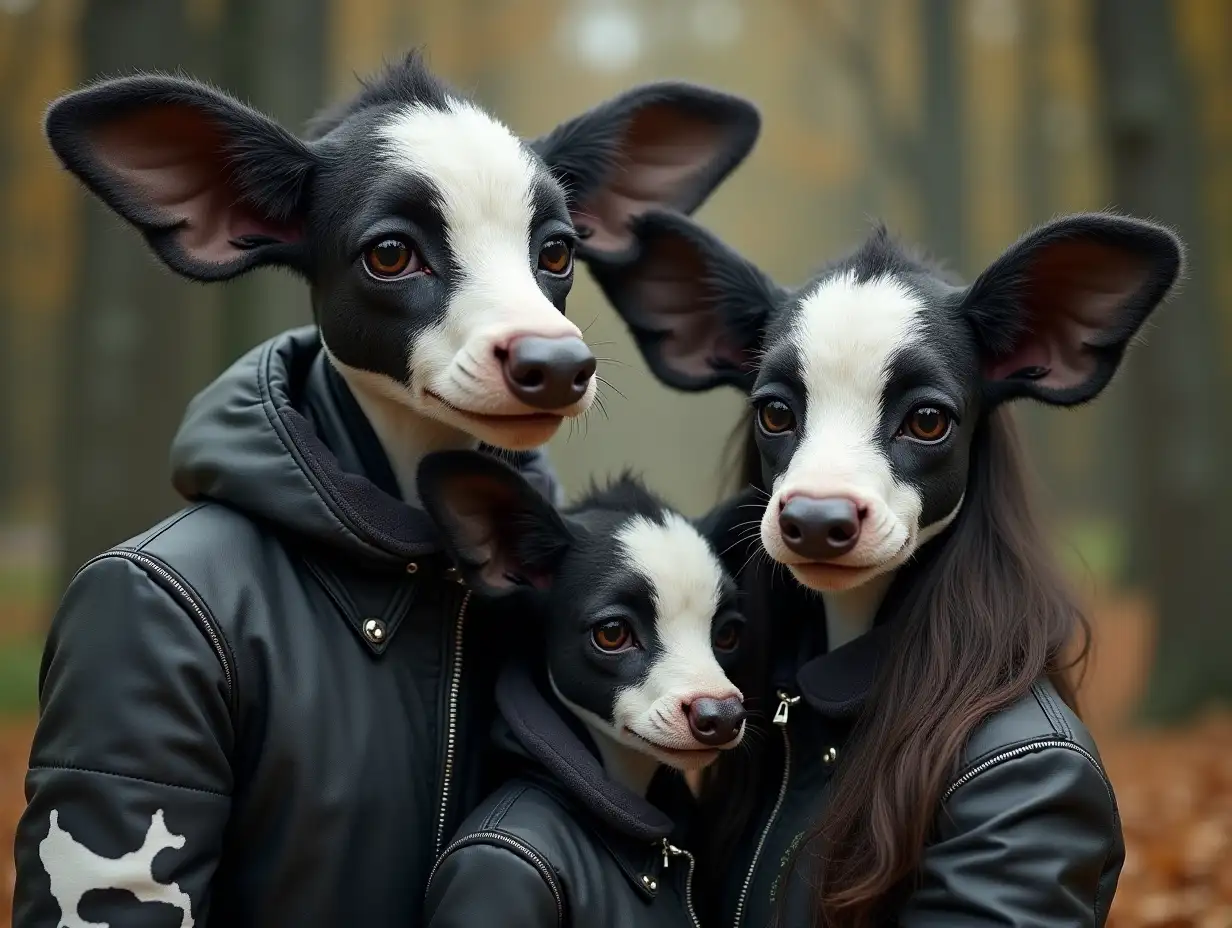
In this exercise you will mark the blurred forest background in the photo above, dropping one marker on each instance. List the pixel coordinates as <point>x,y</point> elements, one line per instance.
<point>958,122</point>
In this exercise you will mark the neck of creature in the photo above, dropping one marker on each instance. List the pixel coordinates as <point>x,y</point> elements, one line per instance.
<point>624,765</point>
<point>406,436</point>
<point>851,613</point>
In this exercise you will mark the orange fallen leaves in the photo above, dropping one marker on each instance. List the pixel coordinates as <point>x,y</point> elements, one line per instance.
<point>1175,794</point>
<point>1174,789</point>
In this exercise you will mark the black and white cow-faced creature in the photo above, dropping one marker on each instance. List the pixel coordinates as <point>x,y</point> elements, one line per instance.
<point>873,383</point>
<point>439,246</point>
<point>887,480</point>
<point>637,614</point>
<point>635,632</point>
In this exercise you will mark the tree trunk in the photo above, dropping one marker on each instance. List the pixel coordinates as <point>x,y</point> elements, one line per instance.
<point>1178,432</point>
<point>14,82</point>
<point>139,341</point>
<point>943,196</point>
<point>274,54</point>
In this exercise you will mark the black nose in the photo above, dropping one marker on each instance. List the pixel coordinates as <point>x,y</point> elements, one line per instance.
<point>820,529</point>
<point>547,373</point>
<point>716,721</point>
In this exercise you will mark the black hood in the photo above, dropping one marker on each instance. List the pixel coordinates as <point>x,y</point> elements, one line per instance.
<point>535,726</point>
<point>279,437</point>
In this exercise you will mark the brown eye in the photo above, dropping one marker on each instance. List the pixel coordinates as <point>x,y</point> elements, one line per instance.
<point>727,638</point>
<point>927,424</point>
<point>392,258</point>
<point>612,636</point>
<point>556,257</point>
<point>775,418</point>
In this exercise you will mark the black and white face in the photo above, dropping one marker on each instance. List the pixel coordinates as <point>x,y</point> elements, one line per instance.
<point>868,384</point>
<point>865,402</point>
<point>640,620</point>
<point>439,246</point>
<point>448,258</point>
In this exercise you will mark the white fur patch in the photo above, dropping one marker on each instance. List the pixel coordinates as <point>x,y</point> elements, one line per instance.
<point>74,870</point>
<point>486,182</point>
<point>686,580</point>
<point>846,334</point>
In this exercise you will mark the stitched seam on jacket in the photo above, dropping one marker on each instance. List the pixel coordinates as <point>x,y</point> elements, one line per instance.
<point>1052,710</point>
<point>493,818</point>
<point>191,598</point>
<point>125,776</point>
<point>174,522</point>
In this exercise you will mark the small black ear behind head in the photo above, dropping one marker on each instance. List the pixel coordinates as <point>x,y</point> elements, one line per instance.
<point>503,532</point>
<point>661,145</point>
<point>697,309</point>
<point>215,187</point>
<point>1056,312</point>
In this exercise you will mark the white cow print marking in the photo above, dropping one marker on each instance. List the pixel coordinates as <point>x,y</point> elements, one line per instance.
<point>75,870</point>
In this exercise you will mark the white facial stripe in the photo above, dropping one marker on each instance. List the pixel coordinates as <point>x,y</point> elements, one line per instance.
<point>481,170</point>
<point>846,334</point>
<point>686,578</point>
<point>486,180</point>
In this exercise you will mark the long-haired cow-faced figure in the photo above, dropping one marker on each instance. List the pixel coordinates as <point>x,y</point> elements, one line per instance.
<point>288,674</point>
<point>439,246</point>
<point>887,482</point>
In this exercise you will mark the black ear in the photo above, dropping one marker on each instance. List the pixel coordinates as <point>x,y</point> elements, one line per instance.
<point>1055,313</point>
<point>666,144</point>
<point>732,528</point>
<point>503,532</point>
<point>697,309</point>
<point>215,187</point>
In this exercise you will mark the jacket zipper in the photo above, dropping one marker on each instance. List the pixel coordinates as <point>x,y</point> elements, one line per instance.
<point>786,701</point>
<point>519,847</point>
<point>670,850</point>
<point>451,736</point>
<point>1028,749</point>
<point>203,618</point>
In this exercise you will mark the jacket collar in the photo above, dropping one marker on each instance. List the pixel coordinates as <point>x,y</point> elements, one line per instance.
<point>836,684</point>
<point>278,438</point>
<point>540,728</point>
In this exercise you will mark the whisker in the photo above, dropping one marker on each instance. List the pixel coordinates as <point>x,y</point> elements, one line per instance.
<point>609,385</point>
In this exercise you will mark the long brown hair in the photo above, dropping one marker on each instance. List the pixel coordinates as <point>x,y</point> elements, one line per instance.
<point>989,616</point>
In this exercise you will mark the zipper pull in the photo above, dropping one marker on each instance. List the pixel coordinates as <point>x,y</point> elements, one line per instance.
<point>785,704</point>
<point>669,851</point>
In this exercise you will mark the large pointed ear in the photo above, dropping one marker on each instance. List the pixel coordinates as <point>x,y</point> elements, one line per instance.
<point>215,187</point>
<point>666,145</point>
<point>1055,313</point>
<point>697,309</point>
<point>503,533</point>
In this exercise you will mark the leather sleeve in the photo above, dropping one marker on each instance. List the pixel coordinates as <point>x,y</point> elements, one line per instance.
<point>129,779</point>
<point>493,886</point>
<point>1034,840</point>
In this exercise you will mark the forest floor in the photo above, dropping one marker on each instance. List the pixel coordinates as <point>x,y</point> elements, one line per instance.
<point>1174,788</point>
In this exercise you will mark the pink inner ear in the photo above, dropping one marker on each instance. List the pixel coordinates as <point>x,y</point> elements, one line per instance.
<point>673,298</point>
<point>663,153</point>
<point>1076,291</point>
<point>174,159</point>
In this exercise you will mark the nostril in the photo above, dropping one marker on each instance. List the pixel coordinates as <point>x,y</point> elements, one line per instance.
<point>841,533</point>
<point>531,377</point>
<point>585,372</point>
<point>790,530</point>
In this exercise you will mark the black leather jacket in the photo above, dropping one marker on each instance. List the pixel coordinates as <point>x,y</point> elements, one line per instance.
<point>559,844</point>
<point>275,701</point>
<point>1027,833</point>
